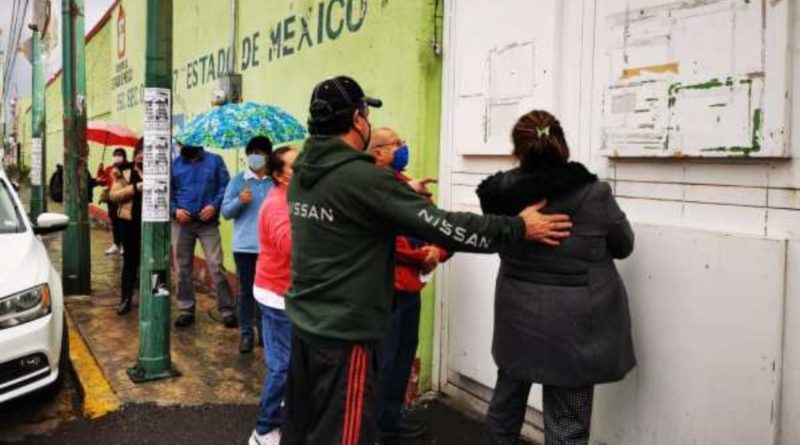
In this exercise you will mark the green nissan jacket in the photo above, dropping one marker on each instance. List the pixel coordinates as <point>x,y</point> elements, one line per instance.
<point>345,213</point>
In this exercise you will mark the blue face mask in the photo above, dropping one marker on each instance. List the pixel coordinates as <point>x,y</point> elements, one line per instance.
<point>400,161</point>
<point>256,162</point>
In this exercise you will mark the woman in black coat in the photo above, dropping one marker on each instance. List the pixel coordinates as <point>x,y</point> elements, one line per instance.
<point>561,313</point>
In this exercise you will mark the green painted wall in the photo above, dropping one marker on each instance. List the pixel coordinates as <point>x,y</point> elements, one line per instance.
<point>98,103</point>
<point>385,44</point>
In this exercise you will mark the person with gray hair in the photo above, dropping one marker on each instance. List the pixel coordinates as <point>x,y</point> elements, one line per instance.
<point>415,260</point>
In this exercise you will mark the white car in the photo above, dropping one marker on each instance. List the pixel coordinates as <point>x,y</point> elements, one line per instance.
<point>33,335</point>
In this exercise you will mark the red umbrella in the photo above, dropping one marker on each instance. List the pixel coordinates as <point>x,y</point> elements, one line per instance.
<point>107,133</point>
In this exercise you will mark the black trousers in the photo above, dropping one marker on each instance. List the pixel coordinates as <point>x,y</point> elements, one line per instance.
<point>116,229</point>
<point>567,412</point>
<point>331,394</point>
<point>131,232</point>
<point>249,314</point>
<point>398,350</point>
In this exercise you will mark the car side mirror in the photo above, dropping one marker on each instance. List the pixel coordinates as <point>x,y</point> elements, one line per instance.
<point>50,223</point>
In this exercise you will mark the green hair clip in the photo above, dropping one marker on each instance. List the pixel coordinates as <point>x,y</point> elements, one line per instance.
<point>543,131</point>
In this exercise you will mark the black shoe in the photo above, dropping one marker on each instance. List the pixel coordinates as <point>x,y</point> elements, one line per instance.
<point>246,344</point>
<point>404,429</point>
<point>229,321</point>
<point>124,306</point>
<point>184,320</point>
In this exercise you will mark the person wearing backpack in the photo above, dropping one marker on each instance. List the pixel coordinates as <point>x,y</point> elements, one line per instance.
<point>56,184</point>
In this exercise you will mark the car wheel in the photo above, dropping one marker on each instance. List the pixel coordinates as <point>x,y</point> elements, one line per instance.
<point>52,390</point>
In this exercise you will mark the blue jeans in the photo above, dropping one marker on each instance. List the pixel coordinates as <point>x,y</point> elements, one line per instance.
<point>277,332</point>
<point>246,271</point>
<point>398,350</point>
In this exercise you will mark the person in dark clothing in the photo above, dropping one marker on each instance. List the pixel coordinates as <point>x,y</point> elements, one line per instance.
<point>126,193</point>
<point>561,313</point>
<point>415,261</point>
<point>105,178</point>
<point>345,213</point>
<point>56,184</point>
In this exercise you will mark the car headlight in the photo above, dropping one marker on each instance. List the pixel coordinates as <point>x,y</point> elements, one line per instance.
<point>25,306</point>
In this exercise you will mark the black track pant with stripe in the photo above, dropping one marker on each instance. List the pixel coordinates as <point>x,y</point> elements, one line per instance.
<point>331,394</point>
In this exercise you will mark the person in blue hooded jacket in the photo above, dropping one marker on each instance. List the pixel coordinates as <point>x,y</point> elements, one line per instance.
<point>198,184</point>
<point>243,198</point>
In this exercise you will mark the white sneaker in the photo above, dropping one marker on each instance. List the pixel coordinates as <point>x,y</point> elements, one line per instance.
<point>121,250</point>
<point>112,250</point>
<point>271,438</point>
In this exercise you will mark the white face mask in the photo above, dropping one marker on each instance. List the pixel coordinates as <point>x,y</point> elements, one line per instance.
<point>118,160</point>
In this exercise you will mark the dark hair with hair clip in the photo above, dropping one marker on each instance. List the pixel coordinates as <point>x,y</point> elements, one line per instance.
<point>276,163</point>
<point>539,138</point>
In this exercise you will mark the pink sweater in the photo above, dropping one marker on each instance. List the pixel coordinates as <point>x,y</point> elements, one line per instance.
<point>275,243</point>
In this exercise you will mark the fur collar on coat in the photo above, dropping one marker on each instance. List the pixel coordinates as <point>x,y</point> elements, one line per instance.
<point>507,193</point>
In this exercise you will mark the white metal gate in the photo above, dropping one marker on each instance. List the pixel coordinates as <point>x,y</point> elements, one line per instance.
<point>609,69</point>
<point>502,58</point>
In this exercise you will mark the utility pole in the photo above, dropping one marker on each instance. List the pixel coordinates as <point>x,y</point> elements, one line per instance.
<point>76,250</point>
<point>38,146</point>
<point>154,360</point>
<point>3,129</point>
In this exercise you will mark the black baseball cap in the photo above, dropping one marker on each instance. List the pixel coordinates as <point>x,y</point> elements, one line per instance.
<point>339,94</point>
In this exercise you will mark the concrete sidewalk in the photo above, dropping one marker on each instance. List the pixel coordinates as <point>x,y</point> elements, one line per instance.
<point>206,354</point>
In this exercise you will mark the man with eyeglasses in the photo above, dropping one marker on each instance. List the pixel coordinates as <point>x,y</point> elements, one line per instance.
<point>345,213</point>
<point>415,261</point>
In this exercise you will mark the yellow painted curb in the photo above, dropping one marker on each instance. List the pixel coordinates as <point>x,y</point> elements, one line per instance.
<point>98,397</point>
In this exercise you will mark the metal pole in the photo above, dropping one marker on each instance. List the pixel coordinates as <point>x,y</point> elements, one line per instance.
<point>3,105</point>
<point>154,360</point>
<point>76,250</point>
<point>38,150</point>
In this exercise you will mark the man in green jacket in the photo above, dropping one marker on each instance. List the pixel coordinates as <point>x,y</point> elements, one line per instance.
<point>345,213</point>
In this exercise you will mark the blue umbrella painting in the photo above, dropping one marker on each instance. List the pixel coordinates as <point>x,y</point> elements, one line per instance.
<point>233,125</point>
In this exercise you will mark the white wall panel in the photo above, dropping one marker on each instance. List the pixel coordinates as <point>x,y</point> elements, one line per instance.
<point>784,199</point>
<point>707,279</point>
<point>647,211</point>
<point>708,335</point>
<point>790,391</point>
<point>784,224</point>
<point>673,192</point>
<point>739,196</point>
<point>725,218</point>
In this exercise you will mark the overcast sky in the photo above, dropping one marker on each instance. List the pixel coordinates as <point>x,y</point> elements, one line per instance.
<point>22,72</point>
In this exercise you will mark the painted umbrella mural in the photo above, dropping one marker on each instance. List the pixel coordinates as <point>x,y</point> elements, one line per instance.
<point>233,125</point>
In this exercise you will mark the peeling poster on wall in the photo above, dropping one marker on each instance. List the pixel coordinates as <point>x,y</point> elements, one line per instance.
<point>157,134</point>
<point>690,78</point>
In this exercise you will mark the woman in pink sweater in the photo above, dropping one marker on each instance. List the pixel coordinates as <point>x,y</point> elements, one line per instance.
<point>271,283</point>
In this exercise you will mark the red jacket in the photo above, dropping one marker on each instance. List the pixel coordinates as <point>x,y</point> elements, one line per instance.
<point>409,260</point>
<point>275,239</point>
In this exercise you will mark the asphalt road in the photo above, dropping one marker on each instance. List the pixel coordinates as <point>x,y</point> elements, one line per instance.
<point>37,415</point>
<point>37,422</point>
